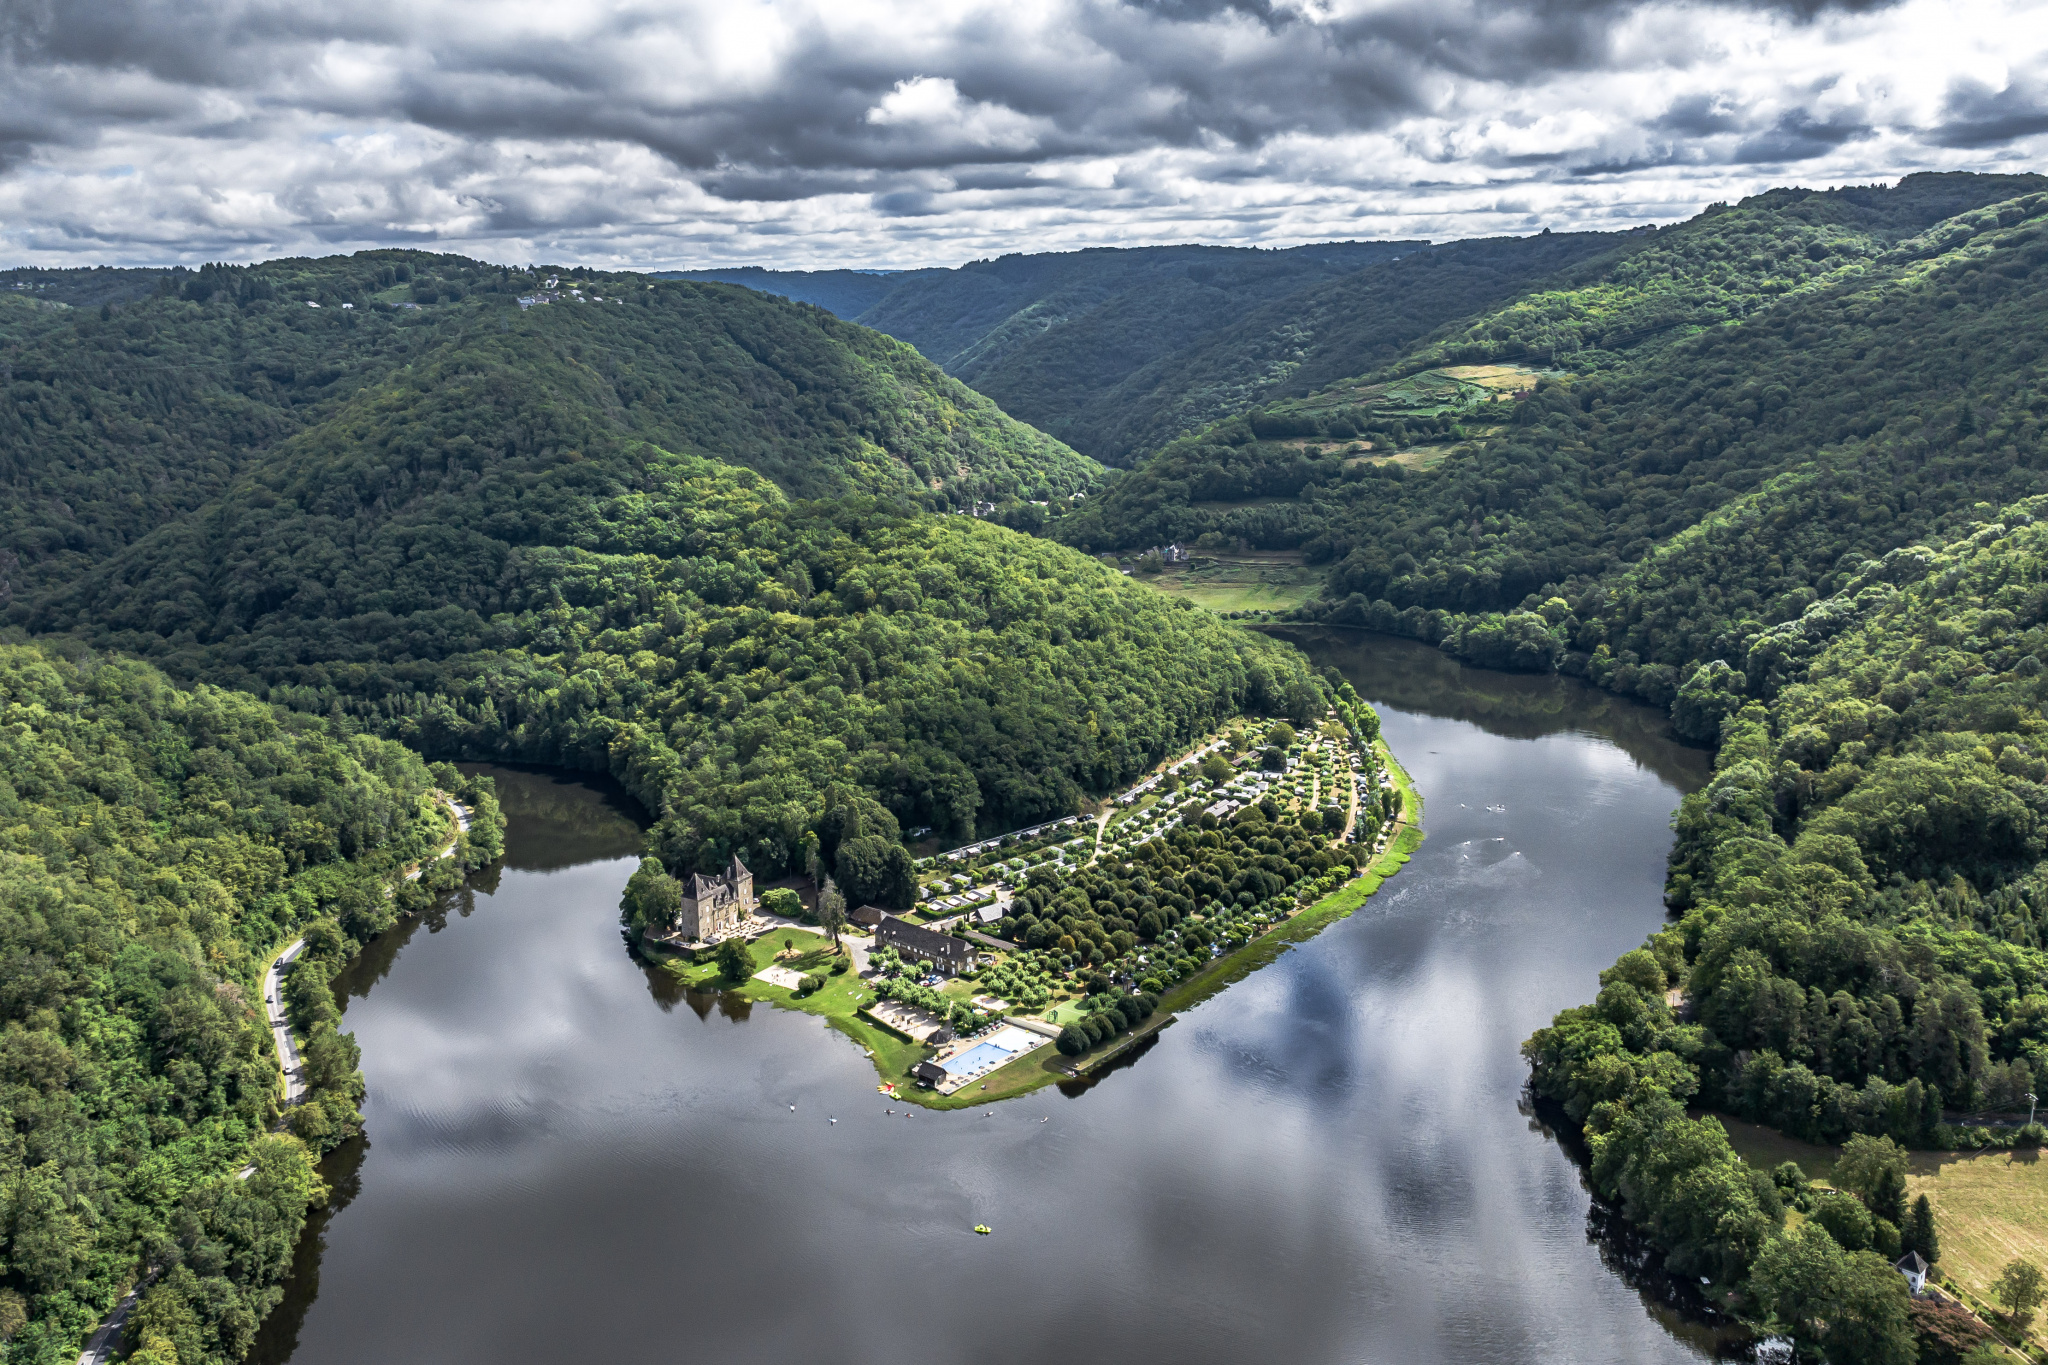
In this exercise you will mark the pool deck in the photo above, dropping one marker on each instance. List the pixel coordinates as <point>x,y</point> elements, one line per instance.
<point>1008,1039</point>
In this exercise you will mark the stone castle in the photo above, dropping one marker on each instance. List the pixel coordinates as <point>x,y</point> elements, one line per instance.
<point>715,905</point>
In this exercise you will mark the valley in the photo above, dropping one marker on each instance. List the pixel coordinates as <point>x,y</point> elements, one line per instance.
<point>942,639</point>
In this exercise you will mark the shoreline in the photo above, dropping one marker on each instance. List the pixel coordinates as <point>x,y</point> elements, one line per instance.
<point>1046,1065</point>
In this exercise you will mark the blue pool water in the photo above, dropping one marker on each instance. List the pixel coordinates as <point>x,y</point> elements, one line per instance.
<point>978,1058</point>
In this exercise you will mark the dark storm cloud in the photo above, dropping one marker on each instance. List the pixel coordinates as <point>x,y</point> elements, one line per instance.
<point>1975,115</point>
<point>1173,74</point>
<point>1798,136</point>
<point>253,120</point>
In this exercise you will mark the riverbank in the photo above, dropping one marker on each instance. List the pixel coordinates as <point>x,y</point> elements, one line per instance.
<point>842,1001</point>
<point>1405,837</point>
<point>1989,1207</point>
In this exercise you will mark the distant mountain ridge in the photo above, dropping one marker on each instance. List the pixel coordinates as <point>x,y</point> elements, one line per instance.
<point>1057,337</point>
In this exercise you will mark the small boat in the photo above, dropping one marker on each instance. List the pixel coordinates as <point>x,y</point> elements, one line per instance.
<point>981,1228</point>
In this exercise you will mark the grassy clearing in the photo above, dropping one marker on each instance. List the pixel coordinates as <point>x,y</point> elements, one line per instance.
<point>839,1002</point>
<point>1766,1148</point>
<point>1988,1206</point>
<point>1240,584</point>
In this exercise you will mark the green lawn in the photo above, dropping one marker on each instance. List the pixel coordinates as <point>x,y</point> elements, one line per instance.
<point>1240,584</point>
<point>1988,1206</point>
<point>894,1057</point>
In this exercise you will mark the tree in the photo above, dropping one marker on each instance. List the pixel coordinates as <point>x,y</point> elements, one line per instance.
<point>1846,1220</point>
<point>652,897</point>
<point>1280,736</point>
<point>1216,768</point>
<point>876,870</point>
<point>808,855</point>
<point>2019,1287</point>
<point>1073,1041</point>
<point>782,902</point>
<point>1863,1166</point>
<point>1852,1303</point>
<point>832,911</point>
<point>1917,1234</point>
<point>735,963</point>
<point>1869,1324</point>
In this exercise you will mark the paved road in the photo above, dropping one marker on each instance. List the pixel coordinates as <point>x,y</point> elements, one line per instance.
<point>281,1027</point>
<point>106,1342</point>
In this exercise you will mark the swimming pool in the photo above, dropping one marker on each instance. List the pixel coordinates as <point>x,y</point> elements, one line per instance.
<point>976,1059</point>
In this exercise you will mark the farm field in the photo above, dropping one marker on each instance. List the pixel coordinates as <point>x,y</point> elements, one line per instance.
<point>1241,584</point>
<point>1988,1206</point>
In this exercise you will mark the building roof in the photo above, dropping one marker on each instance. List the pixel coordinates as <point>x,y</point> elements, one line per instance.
<point>989,914</point>
<point>1911,1264</point>
<point>868,914</point>
<point>737,869</point>
<point>929,1071</point>
<point>922,942</point>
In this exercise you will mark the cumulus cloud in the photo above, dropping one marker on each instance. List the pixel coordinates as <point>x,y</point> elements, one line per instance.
<point>799,132</point>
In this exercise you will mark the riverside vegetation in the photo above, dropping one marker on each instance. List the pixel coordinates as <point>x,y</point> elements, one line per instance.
<point>1773,470</point>
<point>156,845</point>
<point>680,533</point>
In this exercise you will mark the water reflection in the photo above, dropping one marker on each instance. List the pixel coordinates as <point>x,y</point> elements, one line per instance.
<point>1412,676</point>
<point>1329,1161</point>
<point>556,819</point>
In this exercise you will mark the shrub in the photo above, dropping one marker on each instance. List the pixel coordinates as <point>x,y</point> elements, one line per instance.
<point>806,984</point>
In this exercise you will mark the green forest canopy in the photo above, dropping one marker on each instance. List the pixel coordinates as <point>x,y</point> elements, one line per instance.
<point>475,547</point>
<point>117,420</point>
<point>1760,488</point>
<point>1862,898</point>
<point>1065,340</point>
<point>156,844</point>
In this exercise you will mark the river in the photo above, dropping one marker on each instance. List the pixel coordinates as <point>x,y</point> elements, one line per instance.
<point>570,1159</point>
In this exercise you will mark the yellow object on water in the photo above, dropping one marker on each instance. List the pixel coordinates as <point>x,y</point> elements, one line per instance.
<point>981,1228</point>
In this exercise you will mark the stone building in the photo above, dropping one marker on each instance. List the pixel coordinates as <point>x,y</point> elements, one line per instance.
<point>948,955</point>
<point>715,905</point>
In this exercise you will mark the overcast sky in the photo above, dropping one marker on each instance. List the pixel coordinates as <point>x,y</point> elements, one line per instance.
<point>865,132</point>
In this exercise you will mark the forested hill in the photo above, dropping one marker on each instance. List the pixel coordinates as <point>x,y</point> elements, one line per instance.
<point>1863,905</point>
<point>448,527</point>
<point>1690,490</point>
<point>156,846</point>
<point>121,417</point>
<point>1059,339</point>
<point>843,293</point>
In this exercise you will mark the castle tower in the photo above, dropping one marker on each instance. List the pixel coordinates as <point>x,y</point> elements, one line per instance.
<point>742,883</point>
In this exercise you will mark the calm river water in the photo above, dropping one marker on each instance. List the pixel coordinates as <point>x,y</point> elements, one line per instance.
<point>571,1160</point>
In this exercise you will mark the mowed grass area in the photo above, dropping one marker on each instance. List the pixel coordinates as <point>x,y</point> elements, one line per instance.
<point>1245,584</point>
<point>839,1003</point>
<point>1988,1206</point>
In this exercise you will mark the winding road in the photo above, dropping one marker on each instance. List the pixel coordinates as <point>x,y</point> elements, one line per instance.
<point>105,1343</point>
